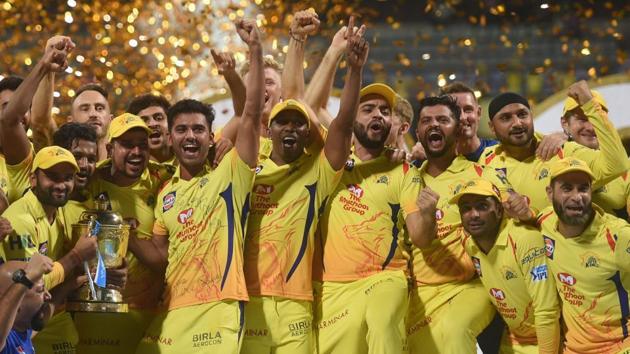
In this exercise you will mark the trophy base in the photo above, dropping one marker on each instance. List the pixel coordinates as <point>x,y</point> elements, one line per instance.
<point>97,306</point>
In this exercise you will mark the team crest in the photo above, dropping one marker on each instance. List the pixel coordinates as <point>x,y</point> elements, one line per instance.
<point>356,190</point>
<point>566,278</point>
<point>203,181</point>
<point>43,248</point>
<point>383,180</point>
<point>509,274</point>
<point>168,201</point>
<point>590,260</point>
<point>544,173</point>
<point>497,294</point>
<point>550,246</point>
<point>184,215</point>
<point>477,265</point>
<point>349,165</point>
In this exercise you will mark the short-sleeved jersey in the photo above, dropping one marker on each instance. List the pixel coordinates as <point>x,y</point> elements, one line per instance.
<point>32,233</point>
<point>135,203</point>
<point>530,177</point>
<point>516,277</point>
<point>445,260</point>
<point>4,177</point>
<point>203,219</point>
<point>592,277</point>
<point>18,177</point>
<point>18,343</point>
<point>284,214</point>
<point>362,226</point>
<point>613,197</point>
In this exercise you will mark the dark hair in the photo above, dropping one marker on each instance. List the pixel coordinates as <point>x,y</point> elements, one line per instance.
<point>69,132</point>
<point>190,106</point>
<point>457,87</point>
<point>148,100</point>
<point>444,100</point>
<point>10,83</point>
<point>92,87</point>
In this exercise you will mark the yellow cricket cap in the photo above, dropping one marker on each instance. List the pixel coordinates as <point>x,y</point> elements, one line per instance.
<point>478,187</point>
<point>570,103</point>
<point>289,105</point>
<point>121,124</point>
<point>567,165</point>
<point>51,156</point>
<point>380,89</point>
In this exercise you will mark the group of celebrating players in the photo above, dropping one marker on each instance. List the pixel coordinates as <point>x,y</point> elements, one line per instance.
<point>290,231</point>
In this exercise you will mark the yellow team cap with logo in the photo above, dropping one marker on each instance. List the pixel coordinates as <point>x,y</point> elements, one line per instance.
<point>567,165</point>
<point>380,89</point>
<point>289,105</point>
<point>53,155</point>
<point>121,124</point>
<point>478,186</point>
<point>570,103</point>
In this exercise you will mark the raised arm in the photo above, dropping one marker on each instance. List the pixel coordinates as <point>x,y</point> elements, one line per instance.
<point>247,139</point>
<point>318,90</point>
<point>337,147</point>
<point>227,68</point>
<point>304,23</point>
<point>54,60</point>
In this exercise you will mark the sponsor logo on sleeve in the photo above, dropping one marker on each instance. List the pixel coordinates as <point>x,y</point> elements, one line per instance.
<point>539,273</point>
<point>550,246</point>
<point>168,201</point>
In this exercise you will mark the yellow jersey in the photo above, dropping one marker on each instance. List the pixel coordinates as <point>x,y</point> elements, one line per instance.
<point>284,214</point>
<point>613,197</point>
<point>361,229</point>
<point>70,214</point>
<point>203,219</point>
<point>4,176</point>
<point>592,274</point>
<point>32,233</point>
<point>530,177</point>
<point>18,176</point>
<point>135,204</point>
<point>516,277</point>
<point>445,260</point>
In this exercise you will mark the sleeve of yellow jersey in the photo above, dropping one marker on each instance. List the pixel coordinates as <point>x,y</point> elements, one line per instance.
<point>610,160</point>
<point>18,177</point>
<point>541,287</point>
<point>622,255</point>
<point>327,178</point>
<point>409,188</point>
<point>159,227</point>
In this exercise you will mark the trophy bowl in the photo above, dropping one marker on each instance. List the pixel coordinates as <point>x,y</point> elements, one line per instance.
<point>112,240</point>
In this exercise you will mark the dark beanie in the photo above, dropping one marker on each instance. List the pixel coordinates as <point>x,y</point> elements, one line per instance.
<point>503,100</point>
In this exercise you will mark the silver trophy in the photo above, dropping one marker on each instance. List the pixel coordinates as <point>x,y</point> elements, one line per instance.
<point>112,237</point>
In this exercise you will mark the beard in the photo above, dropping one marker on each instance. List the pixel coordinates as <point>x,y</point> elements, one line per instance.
<point>46,197</point>
<point>38,321</point>
<point>573,220</point>
<point>362,136</point>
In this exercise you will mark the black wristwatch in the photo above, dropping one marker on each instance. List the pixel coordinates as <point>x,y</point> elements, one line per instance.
<point>19,276</point>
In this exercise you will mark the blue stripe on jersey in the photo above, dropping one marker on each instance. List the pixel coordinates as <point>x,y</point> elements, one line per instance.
<point>241,320</point>
<point>310,216</point>
<point>392,249</point>
<point>244,213</point>
<point>623,302</point>
<point>229,206</point>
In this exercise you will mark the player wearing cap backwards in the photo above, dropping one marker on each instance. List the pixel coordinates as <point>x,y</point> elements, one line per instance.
<point>511,121</point>
<point>37,228</point>
<point>614,196</point>
<point>198,232</point>
<point>588,253</point>
<point>509,258</point>
<point>130,182</point>
<point>440,317</point>
<point>290,187</point>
